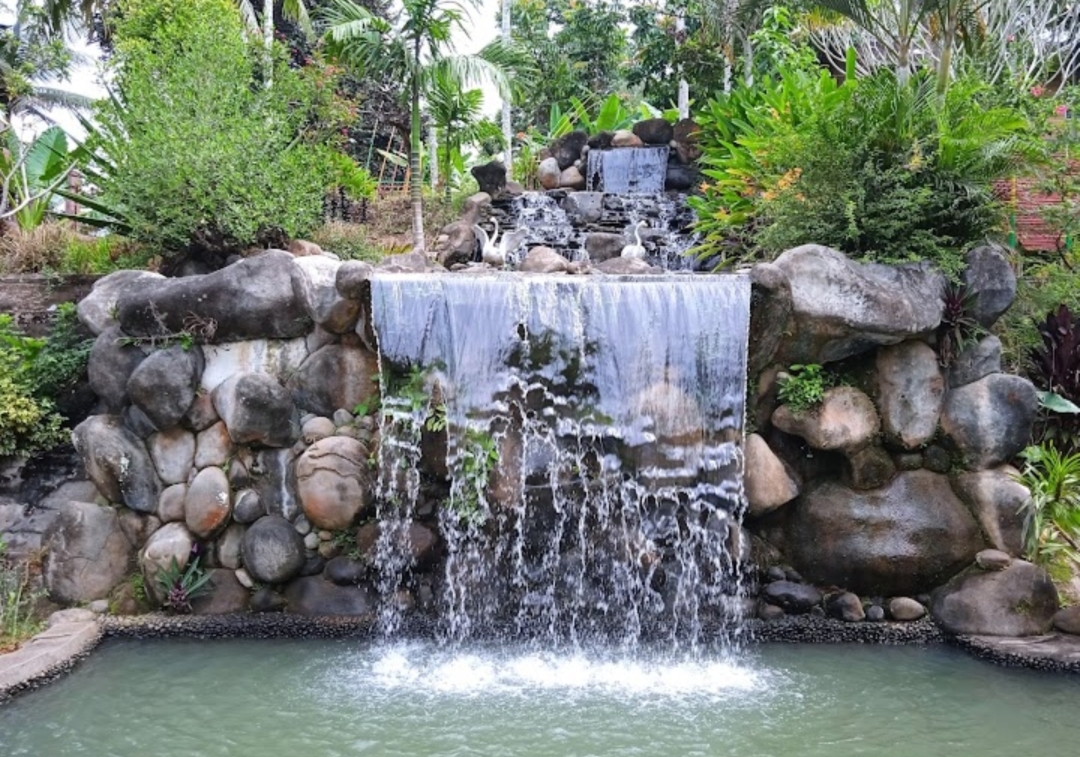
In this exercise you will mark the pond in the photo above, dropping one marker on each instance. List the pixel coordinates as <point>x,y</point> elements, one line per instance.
<point>337,698</point>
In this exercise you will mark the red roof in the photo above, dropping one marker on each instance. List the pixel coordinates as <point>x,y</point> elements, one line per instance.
<point>1028,198</point>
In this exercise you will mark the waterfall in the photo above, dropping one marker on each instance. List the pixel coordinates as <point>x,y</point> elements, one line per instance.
<point>592,429</point>
<point>640,170</point>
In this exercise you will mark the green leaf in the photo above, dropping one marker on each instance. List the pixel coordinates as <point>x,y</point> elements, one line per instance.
<point>1055,403</point>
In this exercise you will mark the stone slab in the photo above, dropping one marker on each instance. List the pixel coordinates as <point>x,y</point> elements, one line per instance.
<point>1056,652</point>
<point>47,655</point>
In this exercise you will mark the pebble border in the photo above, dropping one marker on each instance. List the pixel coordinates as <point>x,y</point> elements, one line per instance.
<point>993,654</point>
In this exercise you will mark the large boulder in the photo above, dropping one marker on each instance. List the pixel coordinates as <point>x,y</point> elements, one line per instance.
<point>491,177</point>
<point>172,542</point>
<point>257,409</point>
<point>163,386</point>
<point>543,260</point>
<point>844,420</point>
<point>456,244</point>
<point>686,137</point>
<point>976,361</point>
<point>767,481</point>
<point>584,207</point>
<point>335,377</point>
<point>770,309</point>
<point>910,390</point>
<point>990,280</point>
<point>842,307</point>
<point>173,453</point>
<point>1018,601</point>
<point>323,302</point>
<point>112,361</point>
<point>989,421</point>
<point>603,245</point>
<point>259,297</point>
<point>315,596</point>
<point>86,553</point>
<point>792,597</point>
<point>117,462</point>
<point>208,503</point>
<point>997,500</point>
<point>567,148</point>
<point>353,279</point>
<point>334,482</point>
<point>548,173</point>
<point>224,595</point>
<point>97,310</point>
<point>654,131</point>
<point>905,538</point>
<point>272,549</point>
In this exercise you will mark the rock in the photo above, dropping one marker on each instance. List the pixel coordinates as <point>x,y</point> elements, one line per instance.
<point>841,307</point>
<point>910,390</point>
<point>775,573</point>
<point>227,547</point>
<point>1067,620</point>
<point>302,248</point>
<point>567,148</point>
<point>459,245</point>
<point>352,279</point>
<point>136,422</point>
<point>937,459</point>
<point>318,292</point>
<point>315,596</point>
<point>272,550</point>
<point>626,138</point>
<point>170,542</point>
<point>654,131</point>
<point>334,482</point>
<point>311,542</point>
<point>1018,601</point>
<point>976,362</point>
<point>767,481</point>
<point>474,205</point>
<point>844,420</point>
<point>276,482</point>
<point>208,503</point>
<point>572,178</point>
<point>875,613</point>
<point>584,207</point>
<point>548,173</point>
<point>627,267</point>
<point>490,177</point>
<point>173,453</point>
<point>117,462</point>
<point>680,178</point>
<point>171,503</point>
<point>770,308</point>
<point>201,415</point>
<point>267,600</point>
<point>993,559</point>
<point>989,421</point>
<point>112,361</point>
<point>344,571</point>
<point>316,429</point>
<point>603,245</point>
<point>685,140</point>
<point>792,597</point>
<point>86,553</point>
<point>905,609</point>
<point>214,447</point>
<point>336,376</point>
<point>224,595</point>
<point>405,262</point>
<point>869,468</point>
<point>908,461</point>
<point>901,539</point>
<point>302,526</point>
<point>257,410</point>
<point>543,260</point>
<point>138,527</point>
<point>248,507</point>
<point>845,606</point>
<point>770,612</point>
<point>990,280</point>
<point>996,499</point>
<point>600,141</point>
<point>258,297</point>
<point>97,310</point>
<point>244,578</point>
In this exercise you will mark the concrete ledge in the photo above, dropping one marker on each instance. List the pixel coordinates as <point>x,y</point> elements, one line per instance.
<point>1058,653</point>
<point>71,635</point>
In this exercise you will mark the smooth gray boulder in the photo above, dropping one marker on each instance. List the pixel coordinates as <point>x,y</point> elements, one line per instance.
<point>603,245</point>
<point>997,500</point>
<point>86,553</point>
<point>989,421</point>
<point>256,298</point>
<point>257,410</point>
<point>842,307</point>
<point>904,538</point>
<point>352,279</point>
<point>976,361</point>
<point>654,131</point>
<point>97,310</point>
<point>543,260</point>
<point>117,462</point>
<point>845,606</point>
<point>334,482</point>
<point>273,551</point>
<point>173,453</point>
<point>321,298</point>
<point>456,243</point>
<point>224,595</point>
<point>794,598</point>
<point>905,609</point>
<point>112,361</point>
<point>1018,601</point>
<point>248,507</point>
<point>314,595</point>
<point>163,386</point>
<point>336,376</point>
<point>171,542</point>
<point>208,503</point>
<point>910,391</point>
<point>844,420</point>
<point>990,280</point>
<point>767,481</point>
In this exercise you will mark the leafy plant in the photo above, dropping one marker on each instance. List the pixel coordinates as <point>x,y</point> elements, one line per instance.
<point>30,173</point>
<point>1052,513</point>
<point>958,329</point>
<point>803,387</point>
<point>179,585</point>
<point>18,600</point>
<point>478,456</point>
<point>1055,366</point>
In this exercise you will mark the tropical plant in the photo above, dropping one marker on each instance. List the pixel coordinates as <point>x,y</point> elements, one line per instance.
<point>456,113</point>
<point>802,387</point>
<point>1052,513</point>
<point>294,10</point>
<point>31,173</point>
<point>18,600</point>
<point>959,328</point>
<point>178,586</point>
<point>1055,366</point>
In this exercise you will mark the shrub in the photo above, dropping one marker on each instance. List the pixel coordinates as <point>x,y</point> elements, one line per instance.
<point>18,600</point>
<point>349,241</point>
<point>1052,514</point>
<point>200,157</point>
<point>803,387</point>
<point>179,585</point>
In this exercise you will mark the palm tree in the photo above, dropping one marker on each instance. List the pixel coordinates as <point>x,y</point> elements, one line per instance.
<point>414,48</point>
<point>456,116</point>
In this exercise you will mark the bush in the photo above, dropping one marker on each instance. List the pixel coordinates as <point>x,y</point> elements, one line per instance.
<point>879,170</point>
<point>18,601</point>
<point>1052,514</point>
<point>195,153</point>
<point>803,387</point>
<point>349,241</point>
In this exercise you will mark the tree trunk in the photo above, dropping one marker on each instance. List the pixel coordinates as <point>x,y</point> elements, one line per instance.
<point>945,61</point>
<point>433,158</point>
<point>416,181</point>
<point>268,43</point>
<point>507,127</point>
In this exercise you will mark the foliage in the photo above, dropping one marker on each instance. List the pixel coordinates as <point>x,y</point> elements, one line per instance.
<point>476,459</point>
<point>353,178</point>
<point>880,170</point>
<point>200,159</point>
<point>17,600</point>
<point>1052,513</point>
<point>803,387</point>
<point>958,329</point>
<point>349,241</point>
<point>30,173</point>
<point>179,585</point>
<point>1055,366</point>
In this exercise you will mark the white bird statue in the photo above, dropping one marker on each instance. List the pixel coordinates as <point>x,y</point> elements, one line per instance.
<point>636,250</point>
<point>490,252</point>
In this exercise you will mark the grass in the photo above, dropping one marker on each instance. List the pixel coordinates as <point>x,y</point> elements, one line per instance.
<point>57,248</point>
<point>18,602</point>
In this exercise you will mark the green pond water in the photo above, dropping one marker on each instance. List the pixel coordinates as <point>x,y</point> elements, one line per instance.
<point>337,698</point>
